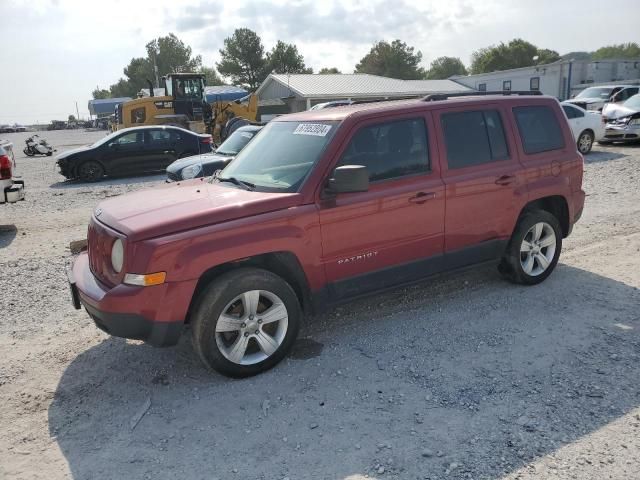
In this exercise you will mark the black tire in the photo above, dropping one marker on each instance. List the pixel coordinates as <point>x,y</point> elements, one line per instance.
<point>585,142</point>
<point>90,171</point>
<point>49,154</point>
<point>512,267</point>
<point>216,298</point>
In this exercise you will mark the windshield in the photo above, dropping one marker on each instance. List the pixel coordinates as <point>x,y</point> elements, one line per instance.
<point>596,92</point>
<point>236,142</point>
<point>281,157</point>
<point>633,103</point>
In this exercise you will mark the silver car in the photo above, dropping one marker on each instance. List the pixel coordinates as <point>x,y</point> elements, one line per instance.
<point>623,122</point>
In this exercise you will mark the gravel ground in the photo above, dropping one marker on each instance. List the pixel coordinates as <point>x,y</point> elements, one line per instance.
<point>462,377</point>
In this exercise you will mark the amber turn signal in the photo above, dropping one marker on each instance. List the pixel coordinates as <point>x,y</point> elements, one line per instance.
<point>146,280</point>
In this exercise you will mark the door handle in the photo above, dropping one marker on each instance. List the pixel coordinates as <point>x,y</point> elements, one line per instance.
<point>506,180</point>
<point>422,197</point>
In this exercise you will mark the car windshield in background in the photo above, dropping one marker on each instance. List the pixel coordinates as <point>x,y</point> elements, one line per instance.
<point>595,92</point>
<point>281,157</point>
<point>236,142</point>
<point>633,103</point>
<point>104,140</point>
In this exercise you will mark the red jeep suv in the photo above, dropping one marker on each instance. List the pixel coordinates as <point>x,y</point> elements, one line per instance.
<point>327,205</point>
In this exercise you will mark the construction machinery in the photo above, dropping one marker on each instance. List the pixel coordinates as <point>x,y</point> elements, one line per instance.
<point>184,104</point>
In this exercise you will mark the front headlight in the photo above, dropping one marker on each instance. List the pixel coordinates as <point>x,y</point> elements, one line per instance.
<point>191,172</point>
<point>117,255</point>
<point>634,121</point>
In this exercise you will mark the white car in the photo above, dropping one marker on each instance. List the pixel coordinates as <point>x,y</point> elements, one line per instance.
<point>595,98</point>
<point>587,126</point>
<point>11,189</point>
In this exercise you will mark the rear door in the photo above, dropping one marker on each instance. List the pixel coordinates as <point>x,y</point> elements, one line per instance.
<point>576,119</point>
<point>388,234</point>
<point>483,180</point>
<point>161,149</point>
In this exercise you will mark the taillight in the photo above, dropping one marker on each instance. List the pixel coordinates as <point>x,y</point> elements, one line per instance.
<point>5,168</point>
<point>208,139</point>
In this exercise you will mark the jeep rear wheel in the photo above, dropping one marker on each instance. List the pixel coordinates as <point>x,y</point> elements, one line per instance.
<point>534,248</point>
<point>245,322</point>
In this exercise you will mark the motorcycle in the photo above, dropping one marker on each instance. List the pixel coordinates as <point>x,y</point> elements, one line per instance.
<point>37,146</point>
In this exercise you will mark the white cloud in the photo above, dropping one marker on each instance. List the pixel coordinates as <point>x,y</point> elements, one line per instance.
<point>56,52</point>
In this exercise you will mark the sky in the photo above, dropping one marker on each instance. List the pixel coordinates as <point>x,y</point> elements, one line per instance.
<point>55,52</point>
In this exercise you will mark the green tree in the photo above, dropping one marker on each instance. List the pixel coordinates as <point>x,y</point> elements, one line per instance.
<point>100,93</point>
<point>623,50</point>
<point>166,54</point>
<point>243,59</point>
<point>515,54</point>
<point>445,67</point>
<point>71,118</point>
<point>395,60</point>
<point>325,70</point>
<point>211,76</point>
<point>285,58</point>
<point>576,56</point>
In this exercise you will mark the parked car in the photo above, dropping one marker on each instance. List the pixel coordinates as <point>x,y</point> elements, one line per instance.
<point>132,150</point>
<point>587,126</point>
<point>335,103</point>
<point>7,129</point>
<point>206,164</point>
<point>11,188</point>
<point>324,206</point>
<point>595,98</point>
<point>623,121</point>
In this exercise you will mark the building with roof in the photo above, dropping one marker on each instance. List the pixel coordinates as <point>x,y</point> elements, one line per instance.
<point>105,106</point>
<point>302,91</point>
<point>562,79</point>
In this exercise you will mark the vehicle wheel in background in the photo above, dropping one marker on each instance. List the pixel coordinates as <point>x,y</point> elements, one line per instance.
<point>245,322</point>
<point>534,248</point>
<point>90,171</point>
<point>585,142</point>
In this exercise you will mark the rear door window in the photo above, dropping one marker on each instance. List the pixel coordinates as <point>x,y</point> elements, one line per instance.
<point>474,138</point>
<point>572,112</point>
<point>539,129</point>
<point>390,150</point>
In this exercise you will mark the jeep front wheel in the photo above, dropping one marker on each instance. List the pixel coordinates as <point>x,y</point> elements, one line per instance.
<point>245,322</point>
<point>534,248</point>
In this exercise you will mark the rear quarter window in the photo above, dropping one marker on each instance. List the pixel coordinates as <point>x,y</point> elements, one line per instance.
<point>539,129</point>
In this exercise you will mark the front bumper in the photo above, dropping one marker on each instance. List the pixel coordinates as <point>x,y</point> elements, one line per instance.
<point>139,313</point>
<point>622,133</point>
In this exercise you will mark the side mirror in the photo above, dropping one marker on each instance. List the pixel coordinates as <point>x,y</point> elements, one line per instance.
<point>349,178</point>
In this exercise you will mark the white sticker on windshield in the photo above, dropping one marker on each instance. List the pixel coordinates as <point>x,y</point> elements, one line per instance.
<point>316,129</point>
<point>246,134</point>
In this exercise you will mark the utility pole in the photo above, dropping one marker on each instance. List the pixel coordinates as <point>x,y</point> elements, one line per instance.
<point>77,113</point>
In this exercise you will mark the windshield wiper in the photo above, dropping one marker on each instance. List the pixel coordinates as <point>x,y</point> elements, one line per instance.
<point>235,181</point>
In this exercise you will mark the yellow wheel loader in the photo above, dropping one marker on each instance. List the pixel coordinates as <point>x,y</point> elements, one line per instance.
<point>184,104</point>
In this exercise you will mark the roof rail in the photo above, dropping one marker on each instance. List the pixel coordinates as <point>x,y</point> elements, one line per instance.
<point>444,96</point>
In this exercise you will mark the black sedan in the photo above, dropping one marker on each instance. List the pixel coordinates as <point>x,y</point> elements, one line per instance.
<point>205,165</point>
<point>132,150</point>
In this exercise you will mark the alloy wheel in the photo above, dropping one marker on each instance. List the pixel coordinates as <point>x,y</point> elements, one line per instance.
<point>538,249</point>
<point>251,327</point>
<point>584,142</point>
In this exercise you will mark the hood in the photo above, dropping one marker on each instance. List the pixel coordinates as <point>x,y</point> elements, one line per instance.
<point>586,101</point>
<point>191,204</point>
<point>612,110</point>
<point>68,153</point>
<point>204,159</point>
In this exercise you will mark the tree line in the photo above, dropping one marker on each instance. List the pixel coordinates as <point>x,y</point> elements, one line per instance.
<point>245,62</point>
